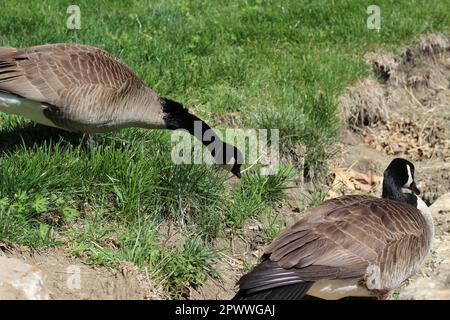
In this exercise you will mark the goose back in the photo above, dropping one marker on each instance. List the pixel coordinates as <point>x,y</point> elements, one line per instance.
<point>381,242</point>
<point>83,88</point>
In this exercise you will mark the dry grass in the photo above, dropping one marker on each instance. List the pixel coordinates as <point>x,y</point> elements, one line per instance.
<point>402,136</point>
<point>364,104</point>
<point>405,113</point>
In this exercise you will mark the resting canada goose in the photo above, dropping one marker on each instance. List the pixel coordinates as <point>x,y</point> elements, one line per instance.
<point>349,246</point>
<point>85,89</point>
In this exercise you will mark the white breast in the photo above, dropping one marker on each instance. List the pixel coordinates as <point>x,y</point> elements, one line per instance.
<point>426,212</point>
<point>337,289</point>
<point>33,110</point>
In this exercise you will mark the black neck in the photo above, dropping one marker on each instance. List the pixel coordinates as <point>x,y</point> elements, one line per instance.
<point>394,192</point>
<point>178,117</point>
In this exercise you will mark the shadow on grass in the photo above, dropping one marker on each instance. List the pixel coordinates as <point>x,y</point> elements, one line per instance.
<point>36,134</point>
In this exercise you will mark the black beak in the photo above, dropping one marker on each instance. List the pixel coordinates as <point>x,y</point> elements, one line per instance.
<point>414,188</point>
<point>236,170</point>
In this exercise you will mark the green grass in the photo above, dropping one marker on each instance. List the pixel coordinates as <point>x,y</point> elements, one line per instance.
<point>255,194</point>
<point>312,196</point>
<point>277,64</point>
<point>272,228</point>
<point>179,269</point>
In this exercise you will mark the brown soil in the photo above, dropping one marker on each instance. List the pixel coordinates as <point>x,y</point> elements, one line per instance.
<point>58,267</point>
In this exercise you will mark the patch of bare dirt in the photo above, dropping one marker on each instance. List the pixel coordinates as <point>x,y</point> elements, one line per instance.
<point>68,279</point>
<point>407,111</point>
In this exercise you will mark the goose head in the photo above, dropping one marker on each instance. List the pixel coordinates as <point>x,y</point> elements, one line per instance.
<point>400,173</point>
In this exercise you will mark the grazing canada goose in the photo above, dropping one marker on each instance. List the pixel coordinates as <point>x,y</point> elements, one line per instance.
<point>351,246</point>
<point>85,89</point>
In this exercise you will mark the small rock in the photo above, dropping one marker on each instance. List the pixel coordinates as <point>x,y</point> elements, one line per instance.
<point>21,281</point>
<point>254,228</point>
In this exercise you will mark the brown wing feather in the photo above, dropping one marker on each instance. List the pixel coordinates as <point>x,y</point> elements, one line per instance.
<point>48,73</point>
<point>343,236</point>
<point>86,88</point>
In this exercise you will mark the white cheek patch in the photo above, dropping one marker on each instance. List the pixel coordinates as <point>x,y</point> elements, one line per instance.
<point>410,179</point>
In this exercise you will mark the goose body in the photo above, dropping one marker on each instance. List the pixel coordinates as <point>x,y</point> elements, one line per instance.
<point>85,89</point>
<point>351,246</point>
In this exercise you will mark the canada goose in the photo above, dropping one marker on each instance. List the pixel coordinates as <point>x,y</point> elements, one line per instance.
<point>351,246</point>
<point>85,89</point>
